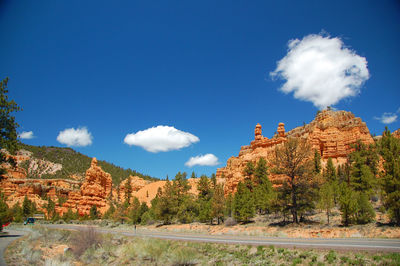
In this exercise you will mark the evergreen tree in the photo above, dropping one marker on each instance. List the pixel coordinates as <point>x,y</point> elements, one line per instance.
<point>28,207</point>
<point>204,199</point>
<point>109,213</point>
<point>213,180</point>
<point>326,199</point>
<point>389,149</point>
<point>8,135</point>
<point>347,204</point>
<point>134,212</point>
<point>330,177</point>
<point>70,215</point>
<point>330,172</point>
<point>243,203</point>
<point>365,212</point>
<point>229,205</point>
<point>128,190</point>
<point>17,214</point>
<point>93,213</point>
<point>193,175</point>
<point>50,208</point>
<point>263,192</point>
<point>249,174</point>
<point>5,212</point>
<point>294,160</point>
<point>218,203</point>
<point>204,188</point>
<point>317,162</point>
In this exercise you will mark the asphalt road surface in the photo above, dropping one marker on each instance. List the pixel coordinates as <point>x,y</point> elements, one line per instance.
<point>6,239</point>
<point>385,245</point>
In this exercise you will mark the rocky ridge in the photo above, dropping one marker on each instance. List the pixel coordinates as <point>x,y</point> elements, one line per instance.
<point>331,133</point>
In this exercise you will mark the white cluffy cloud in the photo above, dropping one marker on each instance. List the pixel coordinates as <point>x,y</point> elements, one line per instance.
<point>75,137</point>
<point>387,118</point>
<point>26,135</point>
<point>321,70</point>
<point>161,138</point>
<point>203,160</point>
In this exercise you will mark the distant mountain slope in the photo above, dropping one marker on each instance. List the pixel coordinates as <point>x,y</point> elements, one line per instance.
<point>75,163</point>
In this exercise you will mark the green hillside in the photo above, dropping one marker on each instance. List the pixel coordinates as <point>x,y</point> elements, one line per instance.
<point>74,162</point>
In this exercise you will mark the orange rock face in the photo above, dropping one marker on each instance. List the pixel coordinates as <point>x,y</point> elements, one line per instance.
<point>396,133</point>
<point>95,190</point>
<point>332,133</point>
<point>81,196</point>
<point>136,183</point>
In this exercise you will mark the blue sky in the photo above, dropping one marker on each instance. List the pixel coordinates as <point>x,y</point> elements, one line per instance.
<point>200,69</point>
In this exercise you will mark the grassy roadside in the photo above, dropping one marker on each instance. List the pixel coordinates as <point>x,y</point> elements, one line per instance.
<point>45,246</point>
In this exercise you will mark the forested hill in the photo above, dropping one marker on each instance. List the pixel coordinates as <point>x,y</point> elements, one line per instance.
<point>77,163</point>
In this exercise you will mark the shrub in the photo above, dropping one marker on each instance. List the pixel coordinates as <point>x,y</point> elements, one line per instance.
<point>230,221</point>
<point>330,257</point>
<point>84,239</point>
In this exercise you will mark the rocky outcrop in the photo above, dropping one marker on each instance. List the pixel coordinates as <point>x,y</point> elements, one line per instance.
<point>27,166</point>
<point>331,133</point>
<point>95,190</point>
<point>81,196</point>
<point>396,133</point>
<point>132,183</point>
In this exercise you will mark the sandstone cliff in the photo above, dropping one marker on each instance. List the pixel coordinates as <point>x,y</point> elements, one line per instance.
<point>95,190</point>
<point>331,133</point>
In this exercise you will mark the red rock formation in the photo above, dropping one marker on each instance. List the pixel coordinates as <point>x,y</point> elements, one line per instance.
<point>81,196</point>
<point>95,190</point>
<point>332,133</point>
<point>396,133</point>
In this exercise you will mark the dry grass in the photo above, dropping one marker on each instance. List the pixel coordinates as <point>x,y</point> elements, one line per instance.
<point>84,239</point>
<point>119,250</point>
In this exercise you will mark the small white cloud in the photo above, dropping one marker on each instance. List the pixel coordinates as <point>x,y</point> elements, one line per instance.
<point>161,138</point>
<point>75,137</point>
<point>203,160</point>
<point>321,70</point>
<point>387,118</point>
<point>26,135</point>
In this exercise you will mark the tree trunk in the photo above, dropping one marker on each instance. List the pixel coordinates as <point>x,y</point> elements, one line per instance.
<point>294,202</point>
<point>327,214</point>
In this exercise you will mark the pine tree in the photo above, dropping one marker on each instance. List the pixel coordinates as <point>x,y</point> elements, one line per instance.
<point>204,199</point>
<point>109,213</point>
<point>330,177</point>
<point>8,136</point>
<point>93,213</point>
<point>218,203</point>
<point>243,203</point>
<point>263,192</point>
<point>128,190</point>
<point>134,211</point>
<point>317,162</point>
<point>50,208</point>
<point>28,207</point>
<point>5,212</point>
<point>294,160</point>
<point>228,211</point>
<point>389,149</point>
<point>347,204</point>
<point>326,199</point>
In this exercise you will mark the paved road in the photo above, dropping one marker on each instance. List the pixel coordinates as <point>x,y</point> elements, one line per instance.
<point>387,245</point>
<point>5,240</point>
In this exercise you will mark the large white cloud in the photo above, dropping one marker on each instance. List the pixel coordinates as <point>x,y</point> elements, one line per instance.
<point>161,138</point>
<point>203,160</point>
<point>387,118</point>
<point>321,70</point>
<point>26,135</point>
<point>75,137</point>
